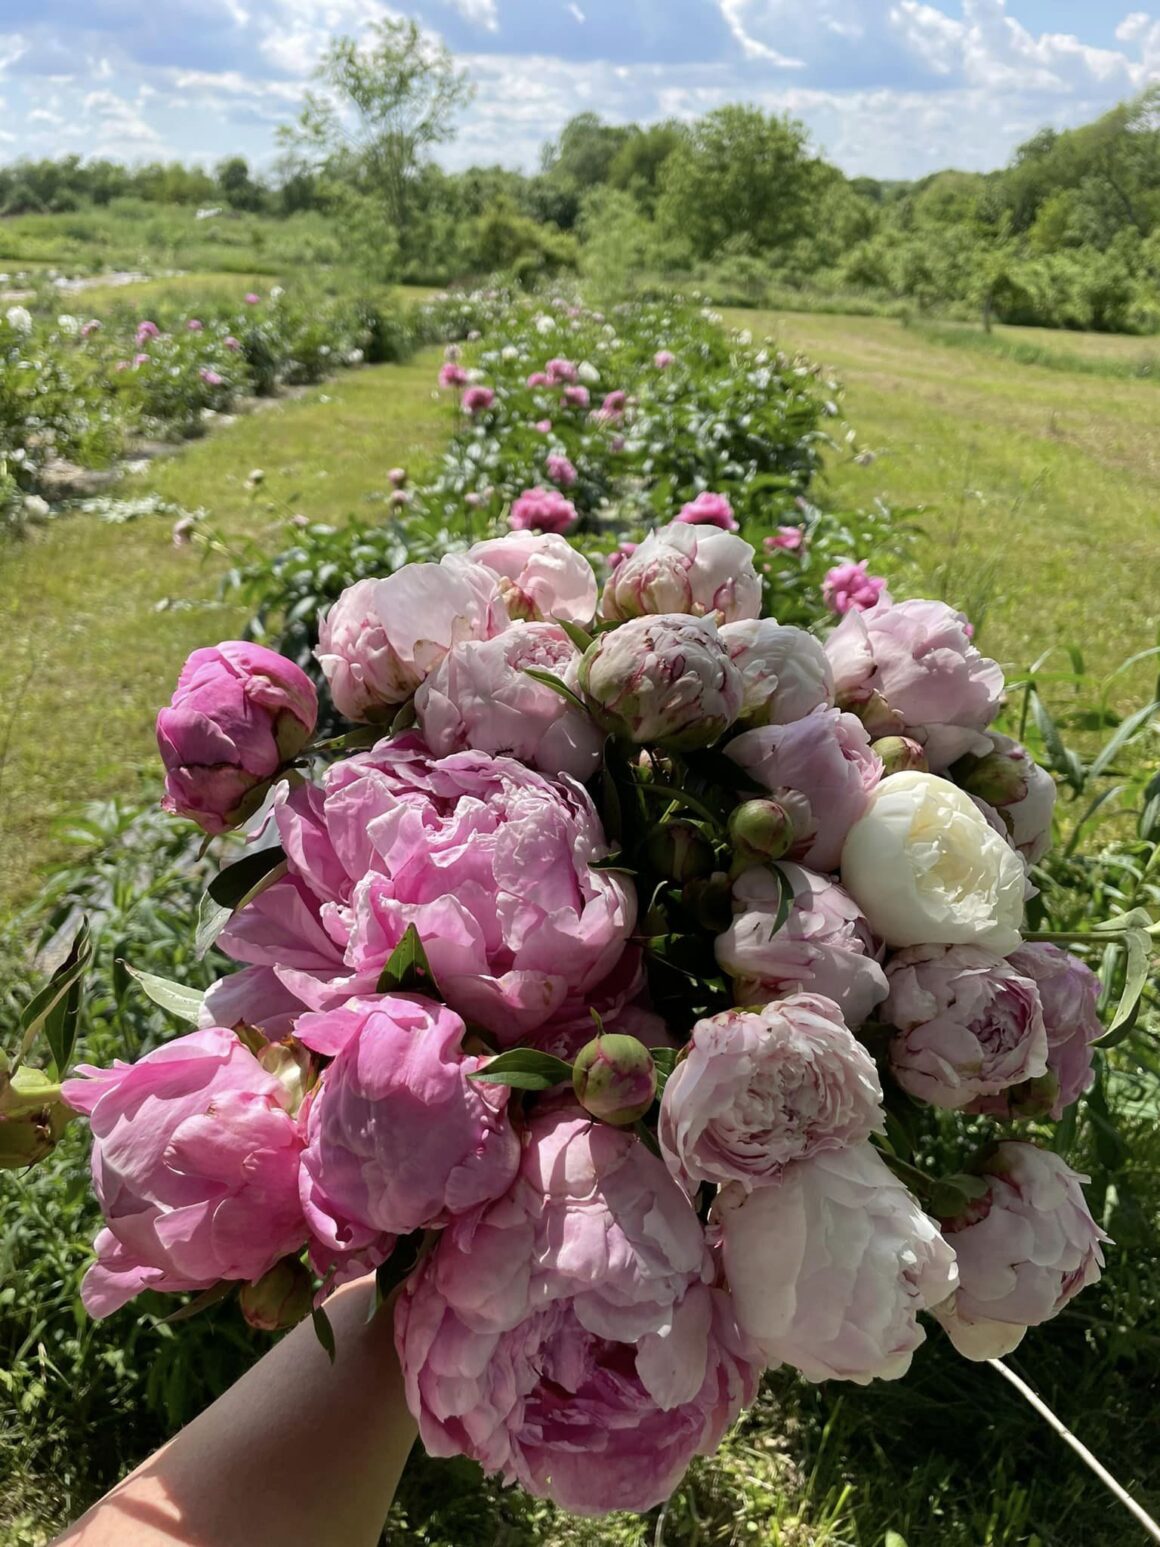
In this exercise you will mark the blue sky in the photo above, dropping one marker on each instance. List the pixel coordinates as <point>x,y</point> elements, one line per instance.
<point>895,88</point>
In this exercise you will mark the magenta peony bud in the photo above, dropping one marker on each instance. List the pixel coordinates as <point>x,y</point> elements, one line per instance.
<point>281,1298</point>
<point>239,713</point>
<point>664,679</point>
<point>615,1079</point>
<point>900,754</point>
<point>761,830</point>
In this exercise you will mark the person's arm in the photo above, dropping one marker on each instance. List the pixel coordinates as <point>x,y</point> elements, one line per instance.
<point>299,1452</point>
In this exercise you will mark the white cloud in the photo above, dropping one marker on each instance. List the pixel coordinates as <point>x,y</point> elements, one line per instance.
<point>117,123</point>
<point>482,13</point>
<point>41,115</point>
<point>577,12</point>
<point>736,13</point>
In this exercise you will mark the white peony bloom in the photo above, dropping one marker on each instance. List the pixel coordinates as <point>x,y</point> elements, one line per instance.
<point>588,373</point>
<point>926,868</point>
<point>19,318</point>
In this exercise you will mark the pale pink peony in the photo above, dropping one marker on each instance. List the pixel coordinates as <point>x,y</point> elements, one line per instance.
<point>825,945</point>
<point>576,397</point>
<point>399,1137</point>
<point>194,326</point>
<point>849,588</point>
<point>539,379</point>
<point>969,1024</point>
<point>664,679</point>
<point>1069,992</point>
<point>909,668</point>
<point>452,375</point>
<point>1025,1248</point>
<point>488,859</point>
<point>621,552</point>
<point>830,1267</point>
<point>685,569</point>
<point>238,714</point>
<point>561,471</point>
<point>663,359</point>
<point>147,330</point>
<point>786,671</point>
<point>195,1165</point>
<point>787,538</point>
<point>758,1089</point>
<point>613,406</point>
<point>709,509</point>
<point>477,400</point>
<point>383,637</point>
<point>543,426</point>
<point>560,371</point>
<point>541,576</point>
<point>210,377</point>
<point>569,1338</point>
<point>822,770</point>
<point>543,510</point>
<point>481,696</point>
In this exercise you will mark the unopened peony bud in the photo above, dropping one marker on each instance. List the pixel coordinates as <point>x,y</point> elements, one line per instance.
<point>615,1079</point>
<point>680,851</point>
<point>761,830</point>
<point>32,1118</point>
<point>900,754</point>
<point>998,779</point>
<point>280,1298</point>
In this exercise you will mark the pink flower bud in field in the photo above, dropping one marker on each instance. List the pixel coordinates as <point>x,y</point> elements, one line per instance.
<point>663,359</point>
<point>899,754</point>
<point>147,330</point>
<point>281,1298</point>
<point>232,343</point>
<point>210,377</point>
<point>397,476</point>
<point>239,713</point>
<point>709,509</point>
<point>665,680</point>
<point>615,1079</point>
<point>194,326</point>
<point>543,426</point>
<point>251,299</point>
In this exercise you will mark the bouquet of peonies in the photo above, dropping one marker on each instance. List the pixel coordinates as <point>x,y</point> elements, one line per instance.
<point>610,988</point>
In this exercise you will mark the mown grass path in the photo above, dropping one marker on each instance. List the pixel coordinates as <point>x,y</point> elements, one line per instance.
<point>97,618</point>
<point>1041,487</point>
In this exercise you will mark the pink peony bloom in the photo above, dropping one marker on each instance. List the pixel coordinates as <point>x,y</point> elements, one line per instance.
<point>663,359</point>
<point>613,406</point>
<point>561,371</point>
<point>561,471</point>
<point>140,360</point>
<point>232,343</point>
<point>481,696</point>
<point>251,299</point>
<point>90,327</point>
<point>969,1025</point>
<point>193,325</point>
<point>664,680</point>
<point>539,379</point>
<point>147,330</point>
<point>399,1137</point>
<point>382,637</point>
<point>824,946</point>
<point>848,587</point>
<point>541,576</point>
<point>195,1164</point>
<point>576,397</point>
<point>821,769</point>
<point>709,509</point>
<point>788,538</point>
<point>488,859</point>
<point>623,551</point>
<point>569,1338</point>
<point>452,375</point>
<point>543,510</point>
<point>477,400</point>
<point>909,668</point>
<point>543,426</point>
<point>210,377</point>
<point>830,1267</point>
<point>760,1089</point>
<point>239,713</point>
<point>685,569</point>
<point>1069,992</point>
<point>786,672</point>
<point>1025,1249</point>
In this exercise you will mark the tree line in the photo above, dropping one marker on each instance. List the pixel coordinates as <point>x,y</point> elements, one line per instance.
<point>1067,235</point>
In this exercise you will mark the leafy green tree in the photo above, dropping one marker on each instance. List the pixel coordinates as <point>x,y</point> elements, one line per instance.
<point>238,188</point>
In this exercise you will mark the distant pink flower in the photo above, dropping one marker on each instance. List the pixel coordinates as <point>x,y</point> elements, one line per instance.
<point>90,327</point>
<point>560,371</point>
<point>251,299</point>
<point>147,330</point>
<point>790,538</point>
<point>543,510</point>
<point>140,360</point>
<point>211,378</point>
<point>397,476</point>
<point>539,379</point>
<point>614,405</point>
<point>121,365</point>
<point>617,443</point>
<point>663,359</point>
<point>231,342</point>
<point>709,509</point>
<point>561,471</point>
<point>193,325</point>
<point>477,400</point>
<point>576,397</point>
<point>848,587</point>
<point>623,551</point>
<point>544,426</point>
<point>452,375</point>
<point>452,352</point>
